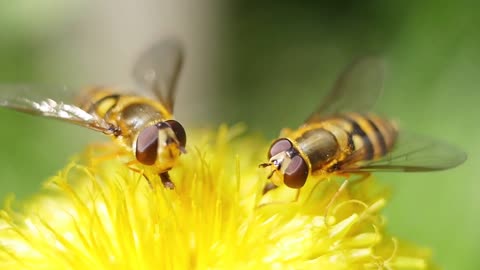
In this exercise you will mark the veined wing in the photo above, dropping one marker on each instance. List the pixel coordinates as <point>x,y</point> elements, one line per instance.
<point>158,68</point>
<point>411,153</point>
<point>356,89</point>
<point>51,102</point>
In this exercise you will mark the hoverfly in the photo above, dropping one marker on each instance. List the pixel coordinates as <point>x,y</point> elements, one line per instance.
<point>141,122</point>
<point>342,137</point>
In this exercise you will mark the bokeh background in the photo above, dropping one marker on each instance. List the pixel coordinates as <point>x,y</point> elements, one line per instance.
<point>266,64</point>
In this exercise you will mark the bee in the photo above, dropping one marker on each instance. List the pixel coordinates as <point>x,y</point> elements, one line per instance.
<point>141,122</point>
<point>343,137</point>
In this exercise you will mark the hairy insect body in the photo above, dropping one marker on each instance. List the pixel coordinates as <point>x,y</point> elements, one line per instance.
<point>332,144</point>
<point>133,115</point>
<point>140,121</point>
<point>130,114</point>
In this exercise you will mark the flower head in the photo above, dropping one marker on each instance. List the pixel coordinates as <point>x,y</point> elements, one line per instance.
<point>98,214</point>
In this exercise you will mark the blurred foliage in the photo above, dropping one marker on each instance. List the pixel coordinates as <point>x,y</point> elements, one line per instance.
<point>33,148</point>
<point>278,58</point>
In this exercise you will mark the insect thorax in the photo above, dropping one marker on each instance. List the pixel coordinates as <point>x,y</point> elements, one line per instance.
<point>318,145</point>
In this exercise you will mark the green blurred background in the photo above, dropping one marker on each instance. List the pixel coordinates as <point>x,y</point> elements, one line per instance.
<point>268,65</point>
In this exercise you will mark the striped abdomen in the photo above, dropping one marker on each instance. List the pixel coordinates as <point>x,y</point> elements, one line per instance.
<point>348,138</point>
<point>131,114</point>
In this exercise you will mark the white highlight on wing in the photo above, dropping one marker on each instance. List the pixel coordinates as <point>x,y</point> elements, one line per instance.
<point>59,110</point>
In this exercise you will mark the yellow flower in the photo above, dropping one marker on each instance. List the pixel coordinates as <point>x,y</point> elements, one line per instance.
<point>98,214</point>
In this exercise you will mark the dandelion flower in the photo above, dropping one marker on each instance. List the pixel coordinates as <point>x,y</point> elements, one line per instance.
<point>98,214</point>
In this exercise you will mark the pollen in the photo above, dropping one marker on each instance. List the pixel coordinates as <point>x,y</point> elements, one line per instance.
<point>98,214</point>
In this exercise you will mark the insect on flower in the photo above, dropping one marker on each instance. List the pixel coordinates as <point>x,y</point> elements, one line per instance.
<point>140,121</point>
<point>342,137</point>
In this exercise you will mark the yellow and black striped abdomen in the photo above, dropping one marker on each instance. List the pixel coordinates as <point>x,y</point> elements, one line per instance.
<point>129,113</point>
<point>117,108</point>
<point>333,141</point>
<point>368,134</point>
<point>98,100</point>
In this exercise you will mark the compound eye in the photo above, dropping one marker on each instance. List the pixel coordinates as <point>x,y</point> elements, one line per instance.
<point>147,145</point>
<point>278,146</point>
<point>296,173</point>
<point>179,131</point>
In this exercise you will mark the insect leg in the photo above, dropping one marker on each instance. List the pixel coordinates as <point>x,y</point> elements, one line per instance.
<point>273,202</point>
<point>297,196</point>
<point>102,152</point>
<point>130,166</point>
<point>268,186</point>
<point>166,181</point>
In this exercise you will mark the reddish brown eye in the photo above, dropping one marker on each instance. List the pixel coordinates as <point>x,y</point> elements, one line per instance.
<point>278,146</point>
<point>147,145</point>
<point>296,173</point>
<point>179,131</point>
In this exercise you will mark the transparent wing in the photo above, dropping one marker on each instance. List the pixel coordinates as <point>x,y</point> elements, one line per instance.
<point>158,68</point>
<point>356,89</point>
<point>50,102</point>
<point>411,153</point>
